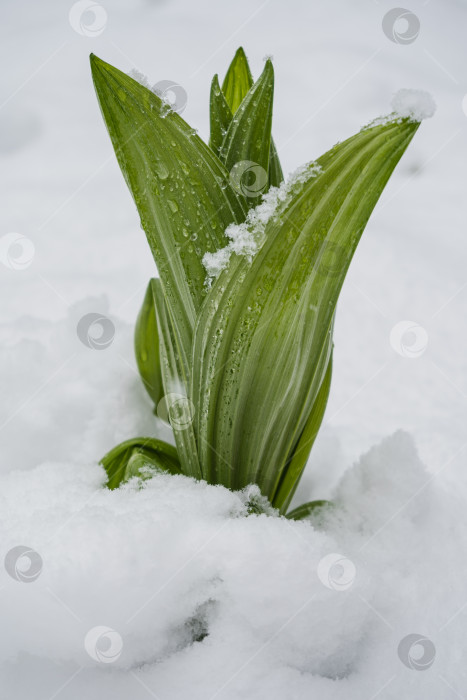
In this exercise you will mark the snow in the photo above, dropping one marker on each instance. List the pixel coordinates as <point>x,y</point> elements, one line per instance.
<point>140,78</point>
<point>286,609</point>
<point>247,238</point>
<point>184,551</point>
<point>415,104</point>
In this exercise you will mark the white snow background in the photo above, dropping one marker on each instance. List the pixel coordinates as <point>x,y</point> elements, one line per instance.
<point>291,610</point>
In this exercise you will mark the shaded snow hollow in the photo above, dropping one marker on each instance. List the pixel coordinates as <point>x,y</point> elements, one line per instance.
<point>166,589</point>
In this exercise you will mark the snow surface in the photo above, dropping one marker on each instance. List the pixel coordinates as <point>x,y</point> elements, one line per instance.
<point>288,609</point>
<point>74,247</point>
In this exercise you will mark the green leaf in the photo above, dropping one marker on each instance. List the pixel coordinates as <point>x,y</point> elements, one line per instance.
<point>246,146</point>
<point>238,80</point>
<point>220,116</point>
<point>175,367</point>
<point>125,459</point>
<point>300,453</point>
<point>263,337</point>
<point>237,83</point>
<point>147,347</point>
<point>275,169</point>
<point>306,509</point>
<point>180,187</point>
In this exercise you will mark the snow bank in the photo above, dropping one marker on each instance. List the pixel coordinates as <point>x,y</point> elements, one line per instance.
<point>167,589</point>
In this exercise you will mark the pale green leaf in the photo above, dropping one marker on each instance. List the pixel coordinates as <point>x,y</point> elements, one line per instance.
<point>176,371</point>
<point>300,453</point>
<point>263,337</point>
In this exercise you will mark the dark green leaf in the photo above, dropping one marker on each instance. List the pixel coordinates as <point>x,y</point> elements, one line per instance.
<point>147,347</point>
<point>306,509</point>
<point>220,116</point>
<point>246,146</point>
<point>237,83</point>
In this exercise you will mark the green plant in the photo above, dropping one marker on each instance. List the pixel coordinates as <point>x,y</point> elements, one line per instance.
<point>241,359</point>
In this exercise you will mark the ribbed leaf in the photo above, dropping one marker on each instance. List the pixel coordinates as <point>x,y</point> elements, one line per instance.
<point>124,461</point>
<point>237,83</point>
<point>147,348</point>
<point>246,146</point>
<point>263,338</point>
<point>175,369</point>
<point>300,453</point>
<point>220,116</point>
<point>180,187</point>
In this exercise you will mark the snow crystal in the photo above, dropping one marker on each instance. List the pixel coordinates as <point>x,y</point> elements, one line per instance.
<point>415,104</point>
<point>246,238</point>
